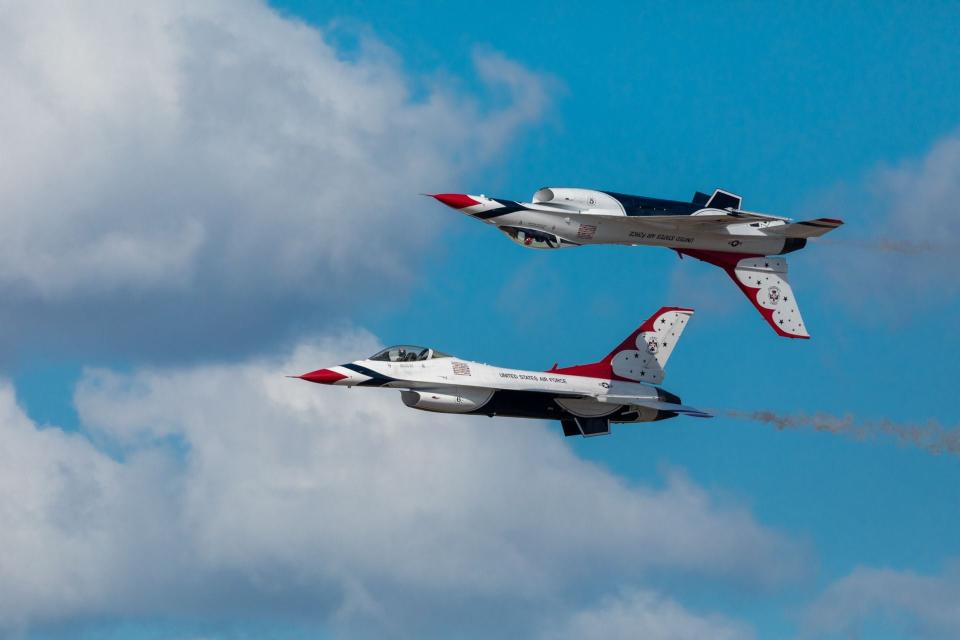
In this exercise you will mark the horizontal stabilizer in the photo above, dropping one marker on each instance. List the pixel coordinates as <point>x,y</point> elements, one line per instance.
<point>686,410</point>
<point>705,218</point>
<point>805,229</point>
<point>658,405</point>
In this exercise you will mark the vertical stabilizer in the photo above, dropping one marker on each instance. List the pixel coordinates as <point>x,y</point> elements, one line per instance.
<point>764,281</point>
<point>644,354</point>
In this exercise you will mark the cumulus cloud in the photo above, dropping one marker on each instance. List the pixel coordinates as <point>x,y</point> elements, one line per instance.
<point>921,605</point>
<point>902,245</point>
<point>645,614</point>
<point>232,490</point>
<point>75,521</point>
<point>174,170</point>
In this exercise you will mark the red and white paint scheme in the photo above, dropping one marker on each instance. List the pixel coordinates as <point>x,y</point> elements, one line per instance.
<point>712,228</point>
<point>586,399</point>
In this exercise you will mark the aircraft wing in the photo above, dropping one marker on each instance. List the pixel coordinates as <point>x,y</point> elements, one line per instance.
<point>635,401</point>
<point>713,218</point>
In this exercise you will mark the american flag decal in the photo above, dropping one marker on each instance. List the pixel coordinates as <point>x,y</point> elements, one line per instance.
<point>461,369</point>
<point>586,231</point>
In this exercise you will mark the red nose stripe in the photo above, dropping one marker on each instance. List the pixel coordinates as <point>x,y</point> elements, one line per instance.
<point>323,376</point>
<point>456,200</point>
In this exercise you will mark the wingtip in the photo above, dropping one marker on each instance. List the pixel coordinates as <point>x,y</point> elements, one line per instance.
<point>786,334</point>
<point>662,310</point>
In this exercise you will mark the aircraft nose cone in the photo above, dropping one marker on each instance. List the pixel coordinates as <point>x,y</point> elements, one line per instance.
<point>456,200</point>
<point>323,376</point>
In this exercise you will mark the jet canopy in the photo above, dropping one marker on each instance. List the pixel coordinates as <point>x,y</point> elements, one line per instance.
<point>407,353</point>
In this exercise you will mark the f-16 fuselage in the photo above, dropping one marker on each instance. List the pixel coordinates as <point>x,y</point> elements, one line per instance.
<point>559,218</point>
<point>585,398</point>
<point>710,228</point>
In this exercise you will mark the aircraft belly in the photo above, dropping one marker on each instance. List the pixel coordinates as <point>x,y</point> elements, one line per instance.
<point>545,406</point>
<point>587,407</point>
<point>522,404</point>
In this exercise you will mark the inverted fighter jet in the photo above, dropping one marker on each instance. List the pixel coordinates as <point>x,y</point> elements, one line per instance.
<point>586,399</point>
<point>711,228</point>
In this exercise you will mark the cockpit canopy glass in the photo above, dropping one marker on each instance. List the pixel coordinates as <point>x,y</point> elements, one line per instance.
<point>407,353</point>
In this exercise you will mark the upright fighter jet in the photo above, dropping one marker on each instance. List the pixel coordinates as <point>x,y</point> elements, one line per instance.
<point>584,398</point>
<point>712,228</point>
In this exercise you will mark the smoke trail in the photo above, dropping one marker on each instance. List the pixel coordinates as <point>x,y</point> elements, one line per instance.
<point>890,246</point>
<point>930,436</point>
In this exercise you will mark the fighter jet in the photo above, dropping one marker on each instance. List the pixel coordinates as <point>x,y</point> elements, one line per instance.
<point>712,228</point>
<point>586,398</point>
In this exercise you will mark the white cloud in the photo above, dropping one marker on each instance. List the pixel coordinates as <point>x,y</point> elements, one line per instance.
<point>170,165</point>
<point>921,605</point>
<point>234,490</point>
<point>75,522</point>
<point>900,248</point>
<point>645,614</point>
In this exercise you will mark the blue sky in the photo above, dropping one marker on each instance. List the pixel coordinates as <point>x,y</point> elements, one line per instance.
<point>779,104</point>
<point>806,109</point>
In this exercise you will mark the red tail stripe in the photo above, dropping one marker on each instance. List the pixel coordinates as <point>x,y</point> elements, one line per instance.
<point>728,262</point>
<point>603,368</point>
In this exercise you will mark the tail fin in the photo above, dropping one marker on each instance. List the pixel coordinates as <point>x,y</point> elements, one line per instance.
<point>644,354</point>
<point>764,282</point>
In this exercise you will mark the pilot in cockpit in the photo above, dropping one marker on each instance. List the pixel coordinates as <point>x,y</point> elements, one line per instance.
<point>407,353</point>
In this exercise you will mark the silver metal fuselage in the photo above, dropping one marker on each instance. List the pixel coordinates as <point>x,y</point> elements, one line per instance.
<point>584,229</point>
